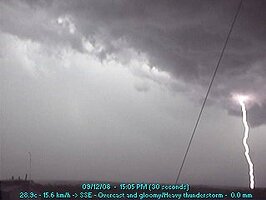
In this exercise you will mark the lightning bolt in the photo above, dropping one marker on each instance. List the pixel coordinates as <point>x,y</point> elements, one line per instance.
<point>246,133</point>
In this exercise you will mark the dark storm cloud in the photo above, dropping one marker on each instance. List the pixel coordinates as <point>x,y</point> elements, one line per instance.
<point>181,37</point>
<point>257,114</point>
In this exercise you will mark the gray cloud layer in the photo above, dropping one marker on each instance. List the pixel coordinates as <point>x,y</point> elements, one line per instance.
<point>181,37</point>
<point>77,108</point>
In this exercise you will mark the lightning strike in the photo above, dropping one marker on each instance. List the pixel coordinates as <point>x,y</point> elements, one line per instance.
<point>242,100</point>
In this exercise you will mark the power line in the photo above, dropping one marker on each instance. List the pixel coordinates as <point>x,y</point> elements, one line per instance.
<point>208,91</point>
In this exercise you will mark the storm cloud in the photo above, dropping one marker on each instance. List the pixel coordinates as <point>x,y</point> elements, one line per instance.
<point>183,38</point>
<point>129,75</point>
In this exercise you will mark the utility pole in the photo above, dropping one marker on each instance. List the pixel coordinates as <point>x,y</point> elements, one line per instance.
<point>30,167</point>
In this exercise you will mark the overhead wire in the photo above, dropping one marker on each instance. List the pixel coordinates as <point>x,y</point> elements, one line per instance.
<point>209,89</point>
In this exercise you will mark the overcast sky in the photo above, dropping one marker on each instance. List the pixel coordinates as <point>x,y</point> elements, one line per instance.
<point>110,90</point>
